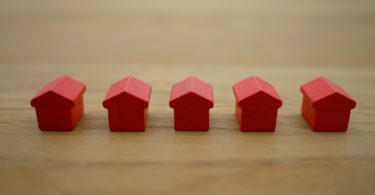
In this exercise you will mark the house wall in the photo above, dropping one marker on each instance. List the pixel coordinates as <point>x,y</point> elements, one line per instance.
<point>332,119</point>
<point>122,118</point>
<point>308,112</point>
<point>238,114</point>
<point>191,119</point>
<point>54,118</point>
<point>77,112</point>
<point>258,118</point>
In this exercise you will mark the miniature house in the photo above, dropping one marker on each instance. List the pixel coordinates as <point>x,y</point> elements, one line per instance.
<point>326,106</point>
<point>127,102</point>
<point>59,105</point>
<point>191,100</point>
<point>257,103</point>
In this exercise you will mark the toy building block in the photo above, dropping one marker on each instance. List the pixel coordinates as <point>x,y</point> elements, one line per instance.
<point>127,102</point>
<point>59,105</point>
<point>326,106</point>
<point>257,103</point>
<point>191,100</point>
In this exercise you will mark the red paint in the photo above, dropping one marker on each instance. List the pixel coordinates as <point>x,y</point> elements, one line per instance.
<point>127,102</point>
<point>257,103</point>
<point>59,105</point>
<point>191,100</point>
<point>326,106</point>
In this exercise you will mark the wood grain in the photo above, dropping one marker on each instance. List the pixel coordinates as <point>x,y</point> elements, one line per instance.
<point>98,42</point>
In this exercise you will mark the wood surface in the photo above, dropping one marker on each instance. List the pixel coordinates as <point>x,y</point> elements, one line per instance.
<point>99,42</point>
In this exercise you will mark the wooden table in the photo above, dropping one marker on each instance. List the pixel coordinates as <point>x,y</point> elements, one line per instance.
<point>99,42</point>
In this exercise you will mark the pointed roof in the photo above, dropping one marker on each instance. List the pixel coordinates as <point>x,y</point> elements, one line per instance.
<point>192,89</point>
<point>129,86</point>
<point>322,91</point>
<point>63,88</point>
<point>253,90</point>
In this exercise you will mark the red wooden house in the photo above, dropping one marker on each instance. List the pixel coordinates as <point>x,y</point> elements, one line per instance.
<point>326,106</point>
<point>127,102</point>
<point>257,103</point>
<point>59,105</point>
<point>191,100</point>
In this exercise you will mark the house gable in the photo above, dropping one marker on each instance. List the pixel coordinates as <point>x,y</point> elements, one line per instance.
<point>322,92</point>
<point>128,89</point>
<point>255,91</point>
<point>260,98</point>
<point>191,100</point>
<point>191,92</point>
<point>63,91</point>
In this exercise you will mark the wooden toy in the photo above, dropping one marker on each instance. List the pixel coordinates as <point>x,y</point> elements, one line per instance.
<point>257,103</point>
<point>191,100</point>
<point>127,102</point>
<point>59,105</point>
<point>326,106</point>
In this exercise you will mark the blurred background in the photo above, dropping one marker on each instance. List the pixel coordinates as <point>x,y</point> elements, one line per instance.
<point>286,42</point>
<point>180,32</point>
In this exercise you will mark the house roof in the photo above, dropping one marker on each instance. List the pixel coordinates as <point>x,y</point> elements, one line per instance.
<point>129,86</point>
<point>63,88</point>
<point>255,91</point>
<point>194,90</point>
<point>322,91</point>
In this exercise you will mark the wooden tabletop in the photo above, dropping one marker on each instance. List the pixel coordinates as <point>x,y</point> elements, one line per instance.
<point>99,42</point>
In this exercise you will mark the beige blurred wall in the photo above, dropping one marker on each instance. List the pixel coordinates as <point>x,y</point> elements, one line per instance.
<point>288,32</point>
